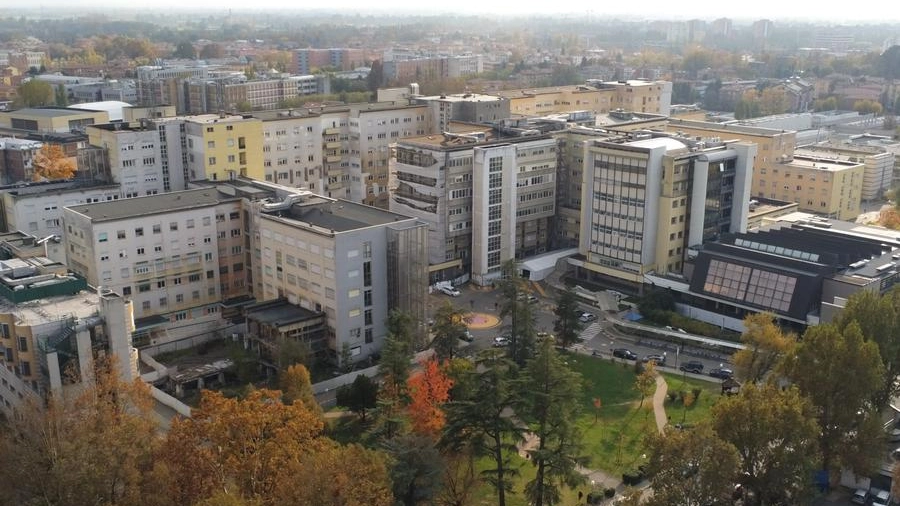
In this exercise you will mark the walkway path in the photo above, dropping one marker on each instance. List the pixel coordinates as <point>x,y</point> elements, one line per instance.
<point>659,399</point>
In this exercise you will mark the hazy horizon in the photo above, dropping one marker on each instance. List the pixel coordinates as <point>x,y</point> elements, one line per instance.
<point>649,10</point>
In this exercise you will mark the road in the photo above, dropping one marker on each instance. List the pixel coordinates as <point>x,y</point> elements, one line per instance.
<point>599,335</point>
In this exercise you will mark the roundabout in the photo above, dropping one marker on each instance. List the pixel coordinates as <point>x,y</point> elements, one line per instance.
<point>481,321</point>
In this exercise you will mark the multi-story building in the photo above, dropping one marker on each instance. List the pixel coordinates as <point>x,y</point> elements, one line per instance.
<point>22,60</point>
<point>598,96</point>
<point>52,119</point>
<point>176,256</point>
<point>37,208</point>
<point>233,93</point>
<point>17,159</point>
<point>304,61</point>
<point>468,107</point>
<point>135,158</point>
<point>646,202</point>
<point>820,185</point>
<point>487,198</point>
<point>222,147</point>
<point>52,324</point>
<point>293,147</point>
<point>163,85</point>
<point>354,262</point>
<point>879,164</point>
<point>372,130</point>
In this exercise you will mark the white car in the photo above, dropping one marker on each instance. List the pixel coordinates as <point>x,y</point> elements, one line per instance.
<point>449,290</point>
<point>880,497</point>
<point>501,341</point>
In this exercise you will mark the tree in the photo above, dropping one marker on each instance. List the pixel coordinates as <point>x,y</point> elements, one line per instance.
<point>346,360</point>
<point>774,432</point>
<point>212,51</point>
<point>645,382</point>
<point>375,79</point>
<point>550,405</point>
<point>520,312</point>
<point>360,396</point>
<point>428,389</point>
<point>481,423</point>
<point>296,386</point>
<point>656,303</point>
<point>417,469</point>
<point>90,444</point>
<point>567,326</point>
<point>878,318</point>
<point>35,93</point>
<point>692,467</point>
<point>449,328</point>
<point>764,345</point>
<point>185,50</point>
<point>51,163</point>
<point>61,98</point>
<point>819,367</point>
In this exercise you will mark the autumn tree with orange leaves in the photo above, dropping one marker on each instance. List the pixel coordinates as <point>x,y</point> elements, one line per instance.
<point>267,453</point>
<point>428,389</point>
<point>52,163</point>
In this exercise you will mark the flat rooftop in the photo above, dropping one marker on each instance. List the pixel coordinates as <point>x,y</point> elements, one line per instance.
<point>337,215</point>
<point>40,188</point>
<point>279,312</point>
<point>83,304</point>
<point>818,163</point>
<point>50,112</point>
<point>464,97</point>
<point>675,124</point>
<point>163,203</point>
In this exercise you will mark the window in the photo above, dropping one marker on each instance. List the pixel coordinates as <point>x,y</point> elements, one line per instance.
<point>139,232</point>
<point>210,274</point>
<point>193,278</point>
<point>179,298</point>
<point>157,229</point>
<point>368,316</point>
<point>140,251</point>
<point>190,224</point>
<point>23,343</point>
<point>102,237</point>
<point>163,302</point>
<point>173,227</point>
<point>369,338</point>
<point>126,291</point>
<point>144,287</point>
<point>367,298</point>
<point>120,234</point>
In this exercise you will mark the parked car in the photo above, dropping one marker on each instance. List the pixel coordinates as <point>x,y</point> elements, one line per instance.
<point>449,290</point>
<point>656,359</point>
<point>880,497</point>
<point>861,496</point>
<point>501,341</point>
<point>721,373</point>
<point>692,366</point>
<point>625,353</point>
<point>586,317</point>
<point>892,431</point>
<point>467,336</point>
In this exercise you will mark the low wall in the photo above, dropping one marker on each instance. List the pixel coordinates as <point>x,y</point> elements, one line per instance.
<point>170,402</point>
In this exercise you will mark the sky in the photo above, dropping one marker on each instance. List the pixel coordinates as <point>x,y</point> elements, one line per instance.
<point>833,12</point>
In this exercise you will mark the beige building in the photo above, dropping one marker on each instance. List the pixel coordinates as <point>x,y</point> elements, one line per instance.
<point>601,97</point>
<point>52,119</point>
<point>648,201</point>
<point>879,164</point>
<point>353,262</point>
<point>824,186</point>
<point>175,256</point>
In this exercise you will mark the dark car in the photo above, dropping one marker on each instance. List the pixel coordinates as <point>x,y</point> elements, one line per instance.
<point>721,373</point>
<point>692,366</point>
<point>656,359</point>
<point>625,353</point>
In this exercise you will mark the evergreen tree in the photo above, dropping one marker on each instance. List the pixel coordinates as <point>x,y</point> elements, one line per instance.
<point>567,325</point>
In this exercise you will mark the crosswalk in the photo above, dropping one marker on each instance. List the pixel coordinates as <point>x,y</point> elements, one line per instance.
<point>586,335</point>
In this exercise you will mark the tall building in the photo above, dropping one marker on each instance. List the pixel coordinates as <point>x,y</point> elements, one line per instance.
<point>52,325</point>
<point>305,61</point>
<point>487,197</point>
<point>17,159</point>
<point>221,147</point>
<point>157,85</point>
<point>467,107</point>
<point>646,202</point>
<point>879,164</point>
<point>353,262</point>
<point>232,93</point>
<point>135,158</point>
<point>175,256</point>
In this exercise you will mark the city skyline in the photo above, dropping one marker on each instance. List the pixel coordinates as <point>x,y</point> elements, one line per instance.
<point>654,9</point>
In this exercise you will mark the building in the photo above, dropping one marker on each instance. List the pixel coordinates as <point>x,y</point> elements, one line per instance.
<point>175,256</point>
<point>354,262</point>
<point>487,197</point>
<point>764,211</point>
<point>646,201</point>
<point>802,268</point>
<point>821,185</point>
<point>598,96</point>
<point>22,60</point>
<point>879,164</point>
<point>465,107</point>
<point>275,325</point>
<point>17,159</point>
<point>135,158</point>
<point>236,93</point>
<point>37,208</point>
<point>52,325</point>
<point>52,119</point>
<point>305,61</point>
<point>158,85</point>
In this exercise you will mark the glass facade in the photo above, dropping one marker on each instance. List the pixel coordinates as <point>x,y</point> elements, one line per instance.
<point>759,287</point>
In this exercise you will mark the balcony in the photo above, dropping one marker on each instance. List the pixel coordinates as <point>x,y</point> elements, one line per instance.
<point>332,158</point>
